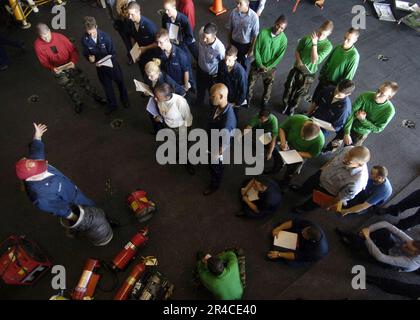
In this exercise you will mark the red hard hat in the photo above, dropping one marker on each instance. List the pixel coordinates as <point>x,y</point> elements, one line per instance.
<point>26,168</point>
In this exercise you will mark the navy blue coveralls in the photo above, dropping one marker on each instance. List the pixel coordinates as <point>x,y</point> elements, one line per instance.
<point>186,38</point>
<point>176,65</point>
<point>145,36</point>
<point>55,193</point>
<point>106,75</point>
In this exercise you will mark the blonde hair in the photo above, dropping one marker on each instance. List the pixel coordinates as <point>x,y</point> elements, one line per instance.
<point>153,66</point>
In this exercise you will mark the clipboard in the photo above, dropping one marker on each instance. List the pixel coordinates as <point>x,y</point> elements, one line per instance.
<point>173,31</point>
<point>323,124</point>
<point>142,87</point>
<point>321,199</point>
<point>286,240</point>
<point>291,157</point>
<point>135,52</point>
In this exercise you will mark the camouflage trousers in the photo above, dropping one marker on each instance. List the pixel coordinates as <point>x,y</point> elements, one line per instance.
<point>268,80</point>
<point>297,86</point>
<point>72,80</point>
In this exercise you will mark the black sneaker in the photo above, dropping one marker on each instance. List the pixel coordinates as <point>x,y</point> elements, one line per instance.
<point>100,100</point>
<point>78,108</point>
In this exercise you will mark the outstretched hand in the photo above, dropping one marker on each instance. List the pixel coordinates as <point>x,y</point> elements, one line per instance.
<point>40,129</point>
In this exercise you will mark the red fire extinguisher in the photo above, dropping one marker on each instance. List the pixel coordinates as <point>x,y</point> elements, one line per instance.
<point>88,281</point>
<point>130,249</point>
<point>129,283</point>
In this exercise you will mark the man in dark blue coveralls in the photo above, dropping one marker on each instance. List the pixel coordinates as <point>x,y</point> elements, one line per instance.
<point>97,45</point>
<point>48,188</point>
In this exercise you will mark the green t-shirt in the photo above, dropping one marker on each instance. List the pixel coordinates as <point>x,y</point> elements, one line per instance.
<point>269,50</point>
<point>271,125</point>
<point>292,127</point>
<point>305,48</point>
<point>377,115</point>
<point>228,285</point>
<point>340,65</point>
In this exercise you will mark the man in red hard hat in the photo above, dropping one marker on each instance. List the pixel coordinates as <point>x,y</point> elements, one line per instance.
<point>48,188</point>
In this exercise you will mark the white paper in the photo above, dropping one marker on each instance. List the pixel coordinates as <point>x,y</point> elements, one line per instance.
<point>105,62</point>
<point>291,156</point>
<point>286,239</point>
<point>265,138</point>
<point>173,32</point>
<point>324,124</point>
<point>135,52</point>
<point>406,6</point>
<point>252,194</point>
<point>142,87</point>
<point>152,108</point>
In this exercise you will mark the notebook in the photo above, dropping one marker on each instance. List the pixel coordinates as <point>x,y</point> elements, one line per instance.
<point>323,124</point>
<point>135,52</point>
<point>105,62</point>
<point>291,156</point>
<point>142,87</point>
<point>286,240</point>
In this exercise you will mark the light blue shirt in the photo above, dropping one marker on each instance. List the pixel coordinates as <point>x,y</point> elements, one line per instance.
<point>244,26</point>
<point>209,56</point>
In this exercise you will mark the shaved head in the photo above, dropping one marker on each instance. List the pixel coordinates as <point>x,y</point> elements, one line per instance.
<point>218,95</point>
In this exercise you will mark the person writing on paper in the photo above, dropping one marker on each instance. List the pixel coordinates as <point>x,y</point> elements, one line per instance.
<point>333,105</point>
<point>143,33</point>
<point>223,119</point>
<point>220,275</point>
<point>342,178</point>
<point>96,46</point>
<point>300,133</point>
<point>267,121</point>
<point>234,77</point>
<point>270,46</point>
<point>244,26</point>
<point>311,244</point>
<point>377,192</point>
<point>174,113</point>
<point>55,50</point>
<point>174,61</point>
<point>260,197</point>
<point>155,76</point>
<point>341,64</point>
<point>387,244</point>
<point>371,112</point>
<point>210,52</point>
<point>179,28</point>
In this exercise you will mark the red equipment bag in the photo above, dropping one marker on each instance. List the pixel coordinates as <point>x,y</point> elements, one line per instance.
<point>22,263</point>
<point>142,207</point>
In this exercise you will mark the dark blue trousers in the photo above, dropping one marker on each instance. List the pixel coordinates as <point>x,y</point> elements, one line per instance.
<point>109,75</point>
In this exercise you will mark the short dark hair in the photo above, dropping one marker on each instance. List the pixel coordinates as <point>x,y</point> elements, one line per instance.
<point>313,234</point>
<point>264,180</point>
<point>231,51</point>
<point>164,89</point>
<point>310,129</point>
<point>89,22</point>
<point>215,265</point>
<point>264,113</point>
<point>354,31</point>
<point>381,171</point>
<point>346,86</point>
<point>281,19</point>
<point>210,28</point>
<point>162,33</point>
<point>133,5</point>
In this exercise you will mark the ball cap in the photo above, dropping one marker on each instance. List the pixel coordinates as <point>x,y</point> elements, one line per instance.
<point>26,168</point>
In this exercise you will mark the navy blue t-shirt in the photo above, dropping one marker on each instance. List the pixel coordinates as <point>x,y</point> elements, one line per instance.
<point>335,113</point>
<point>375,194</point>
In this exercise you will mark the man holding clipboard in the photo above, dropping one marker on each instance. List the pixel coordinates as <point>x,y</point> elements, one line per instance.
<point>56,53</point>
<point>300,139</point>
<point>298,241</point>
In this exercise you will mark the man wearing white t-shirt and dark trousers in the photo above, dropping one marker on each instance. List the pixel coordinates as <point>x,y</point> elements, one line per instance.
<point>174,113</point>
